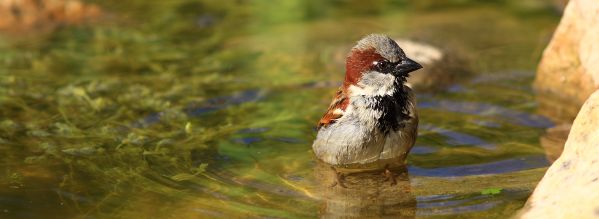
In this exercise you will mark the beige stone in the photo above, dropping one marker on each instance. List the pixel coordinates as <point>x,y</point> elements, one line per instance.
<point>560,5</point>
<point>569,69</point>
<point>440,69</point>
<point>20,15</point>
<point>554,139</point>
<point>570,188</point>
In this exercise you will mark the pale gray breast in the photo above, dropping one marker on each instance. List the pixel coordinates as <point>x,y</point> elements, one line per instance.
<point>355,141</point>
<point>348,142</point>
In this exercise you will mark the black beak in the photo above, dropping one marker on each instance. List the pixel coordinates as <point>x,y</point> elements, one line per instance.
<point>406,66</point>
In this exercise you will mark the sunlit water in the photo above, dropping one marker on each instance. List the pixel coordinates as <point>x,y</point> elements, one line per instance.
<point>187,110</point>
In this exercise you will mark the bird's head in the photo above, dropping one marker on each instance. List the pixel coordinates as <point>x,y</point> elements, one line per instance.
<point>377,53</point>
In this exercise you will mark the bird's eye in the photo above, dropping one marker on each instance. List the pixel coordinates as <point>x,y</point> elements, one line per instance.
<point>381,65</point>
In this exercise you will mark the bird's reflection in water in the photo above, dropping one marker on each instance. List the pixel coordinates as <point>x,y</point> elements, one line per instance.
<point>367,195</point>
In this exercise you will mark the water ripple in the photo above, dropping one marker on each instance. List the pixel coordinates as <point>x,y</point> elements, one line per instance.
<point>457,138</point>
<point>502,166</point>
<point>485,109</point>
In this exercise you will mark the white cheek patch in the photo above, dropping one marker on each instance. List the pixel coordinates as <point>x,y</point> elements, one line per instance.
<point>374,84</point>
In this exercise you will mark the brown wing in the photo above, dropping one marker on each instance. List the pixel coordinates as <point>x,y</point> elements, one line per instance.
<point>335,110</point>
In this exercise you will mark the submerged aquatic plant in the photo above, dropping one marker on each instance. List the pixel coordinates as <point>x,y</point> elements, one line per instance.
<point>109,102</point>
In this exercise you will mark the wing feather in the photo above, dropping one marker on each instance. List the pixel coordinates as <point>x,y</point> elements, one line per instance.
<point>335,110</point>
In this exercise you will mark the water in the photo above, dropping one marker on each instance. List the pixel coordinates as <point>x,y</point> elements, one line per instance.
<point>208,109</point>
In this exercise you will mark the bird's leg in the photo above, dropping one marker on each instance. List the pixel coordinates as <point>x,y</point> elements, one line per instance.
<point>389,175</point>
<point>339,178</point>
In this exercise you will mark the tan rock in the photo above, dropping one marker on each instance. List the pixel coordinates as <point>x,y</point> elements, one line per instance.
<point>19,15</point>
<point>557,109</point>
<point>440,69</point>
<point>570,188</point>
<point>569,69</point>
<point>560,5</point>
<point>554,139</point>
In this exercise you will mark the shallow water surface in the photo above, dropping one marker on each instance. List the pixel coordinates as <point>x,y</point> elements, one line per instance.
<point>187,109</point>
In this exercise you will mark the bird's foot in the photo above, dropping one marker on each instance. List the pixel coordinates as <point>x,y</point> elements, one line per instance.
<point>339,179</point>
<point>389,175</point>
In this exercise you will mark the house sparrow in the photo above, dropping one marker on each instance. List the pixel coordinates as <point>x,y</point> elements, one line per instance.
<point>372,122</point>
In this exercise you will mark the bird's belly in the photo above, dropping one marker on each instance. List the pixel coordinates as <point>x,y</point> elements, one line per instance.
<point>351,146</point>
